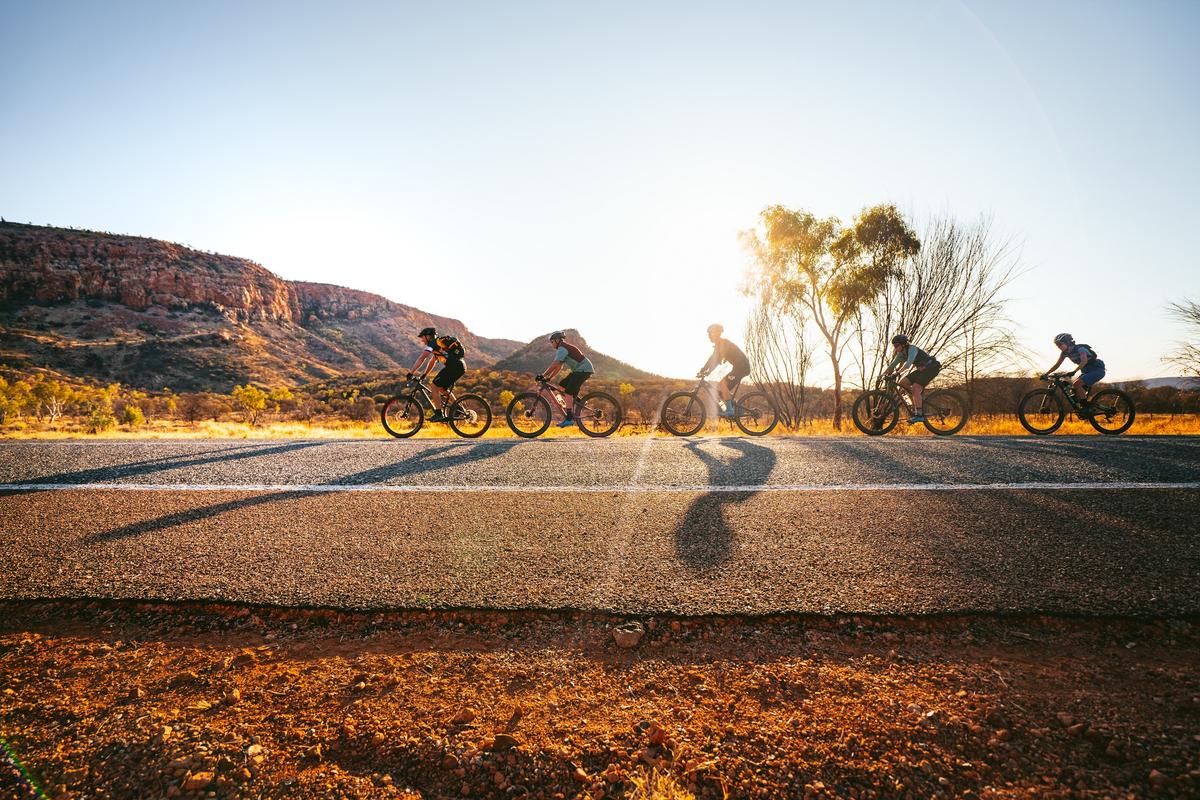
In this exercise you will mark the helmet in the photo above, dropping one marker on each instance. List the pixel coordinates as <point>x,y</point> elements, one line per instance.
<point>1064,338</point>
<point>718,327</point>
<point>558,335</point>
<point>900,338</point>
<point>427,332</point>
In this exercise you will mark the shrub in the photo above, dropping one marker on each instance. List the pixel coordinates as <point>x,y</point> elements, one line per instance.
<point>133,416</point>
<point>101,419</point>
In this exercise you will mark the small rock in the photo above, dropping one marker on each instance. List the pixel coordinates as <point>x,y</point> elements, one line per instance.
<point>504,741</point>
<point>1065,719</point>
<point>198,780</point>
<point>377,738</point>
<point>1078,729</point>
<point>1159,780</point>
<point>233,696</point>
<point>464,717</point>
<point>656,734</point>
<point>581,775</point>
<point>628,635</point>
<point>1113,751</point>
<point>1004,734</point>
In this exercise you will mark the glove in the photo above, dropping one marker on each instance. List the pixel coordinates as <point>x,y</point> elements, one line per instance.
<point>701,374</point>
<point>409,377</point>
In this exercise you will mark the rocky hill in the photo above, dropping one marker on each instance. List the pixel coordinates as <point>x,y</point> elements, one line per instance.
<point>150,313</point>
<point>537,355</point>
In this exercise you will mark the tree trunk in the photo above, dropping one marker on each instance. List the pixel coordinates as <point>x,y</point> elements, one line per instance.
<point>837,392</point>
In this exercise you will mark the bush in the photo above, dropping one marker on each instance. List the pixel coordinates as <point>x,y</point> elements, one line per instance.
<point>363,409</point>
<point>101,419</point>
<point>133,416</point>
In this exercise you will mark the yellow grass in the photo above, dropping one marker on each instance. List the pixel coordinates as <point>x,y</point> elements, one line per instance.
<point>1000,425</point>
<point>655,785</point>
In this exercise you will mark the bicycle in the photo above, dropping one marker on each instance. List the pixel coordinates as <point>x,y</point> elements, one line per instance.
<point>877,411</point>
<point>684,413</point>
<point>1041,411</point>
<point>403,415</point>
<point>529,414</point>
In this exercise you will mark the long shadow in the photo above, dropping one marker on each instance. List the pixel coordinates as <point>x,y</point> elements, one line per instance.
<point>703,538</point>
<point>137,468</point>
<point>423,462</point>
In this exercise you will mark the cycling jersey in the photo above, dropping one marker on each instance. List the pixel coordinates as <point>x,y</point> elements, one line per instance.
<point>723,351</point>
<point>1076,352</point>
<point>573,358</point>
<point>446,349</point>
<point>913,357</point>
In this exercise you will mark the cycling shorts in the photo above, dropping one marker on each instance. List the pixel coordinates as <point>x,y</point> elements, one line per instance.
<point>1092,374</point>
<point>450,373</point>
<point>925,374</point>
<point>573,382</point>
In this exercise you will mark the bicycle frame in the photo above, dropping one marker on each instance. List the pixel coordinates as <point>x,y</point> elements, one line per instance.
<point>894,389</point>
<point>1063,382</point>
<point>552,395</point>
<point>422,391</point>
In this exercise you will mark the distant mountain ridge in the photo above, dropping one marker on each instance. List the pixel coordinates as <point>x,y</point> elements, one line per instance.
<point>151,313</point>
<point>537,355</point>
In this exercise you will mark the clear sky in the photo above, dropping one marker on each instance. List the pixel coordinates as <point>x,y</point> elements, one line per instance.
<point>526,166</point>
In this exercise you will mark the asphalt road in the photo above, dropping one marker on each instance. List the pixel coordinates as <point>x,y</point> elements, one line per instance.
<point>1077,525</point>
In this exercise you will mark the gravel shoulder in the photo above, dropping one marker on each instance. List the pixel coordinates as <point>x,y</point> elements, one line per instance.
<point>136,700</point>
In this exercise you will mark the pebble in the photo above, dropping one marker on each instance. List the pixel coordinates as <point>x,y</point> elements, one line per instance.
<point>464,717</point>
<point>198,780</point>
<point>628,635</point>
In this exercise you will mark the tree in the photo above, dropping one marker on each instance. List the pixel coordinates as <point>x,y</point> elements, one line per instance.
<point>948,300</point>
<point>827,271</point>
<point>250,400</point>
<point>132,416</point>
<point>781,355</point>
<point>51,398</point>
<point>1186,354</point>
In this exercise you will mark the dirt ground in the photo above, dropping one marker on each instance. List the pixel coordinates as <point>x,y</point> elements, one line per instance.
<point>141,701</point>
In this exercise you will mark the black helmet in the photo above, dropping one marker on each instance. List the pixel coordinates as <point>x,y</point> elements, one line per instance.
<point>1064,338</point>
<point>427,332</point>
<point>900,338</point>
<point>558,335</point>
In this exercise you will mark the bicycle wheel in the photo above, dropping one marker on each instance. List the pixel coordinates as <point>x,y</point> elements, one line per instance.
<point>402,416</point>
<point>1113,411</point>
<point>756,414</point>
<point>683,414</point>
<point>528,415</point>
<point>875,412</point>
<point>598,414</point>
<point>1041,411</point>
<point>470,416</point>
<point>945,412</point>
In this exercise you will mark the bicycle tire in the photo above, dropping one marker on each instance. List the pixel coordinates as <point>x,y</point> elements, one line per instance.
<point>1118,397</point>
<point>412,408</point>
<point>1039,401</point>
<point>467,408</point>
<point>611,420</point>
<point>746,408</point>
<point>875,412</point>
<point>532,411</point>
<point>687,419</point>
<point>931,409</point>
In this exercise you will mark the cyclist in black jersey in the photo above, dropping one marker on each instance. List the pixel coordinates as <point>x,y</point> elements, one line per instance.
<point>905,356</point>
<point>725,351</point>
<point>449,351</point>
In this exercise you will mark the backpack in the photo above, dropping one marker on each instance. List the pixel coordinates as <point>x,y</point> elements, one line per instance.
<point>451,346</point>
<point>573,352</point>
<point>1087,348</point>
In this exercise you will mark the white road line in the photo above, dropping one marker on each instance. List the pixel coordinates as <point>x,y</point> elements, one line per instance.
<point>298,488</point>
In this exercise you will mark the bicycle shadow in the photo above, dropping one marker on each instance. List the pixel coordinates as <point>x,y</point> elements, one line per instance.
<point>703,538</point>
<point>435,458</point>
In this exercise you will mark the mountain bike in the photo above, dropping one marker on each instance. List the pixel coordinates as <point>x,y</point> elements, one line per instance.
<point>684,413</point>
<point>1042,411</point>
<point>403,415</point>
<point>529,414</point>
<point>877,411</point>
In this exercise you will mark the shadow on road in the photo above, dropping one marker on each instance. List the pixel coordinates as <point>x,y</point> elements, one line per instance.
<point>435,458</point>
<point>703,537</point>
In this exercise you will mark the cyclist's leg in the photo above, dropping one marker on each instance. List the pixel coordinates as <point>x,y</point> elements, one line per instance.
<point>444,382</point>
<point>570,387</point>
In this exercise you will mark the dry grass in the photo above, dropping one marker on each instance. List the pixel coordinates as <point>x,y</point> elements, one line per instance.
<point>655,785</point>
<point>993,425</point>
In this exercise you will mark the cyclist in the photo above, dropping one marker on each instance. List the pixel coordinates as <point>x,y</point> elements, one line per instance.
<point>905,356</point>
<point>1091,368</point>
<point>725,351</point>
<point>569,356</point>
<point>449,351</point>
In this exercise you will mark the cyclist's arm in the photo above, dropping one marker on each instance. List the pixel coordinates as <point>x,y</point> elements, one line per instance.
<point>1061,358</point>
<point>713,362</point>
<point>912,357</point>
<point>1083,359</point>
<point>552,370</point>
<point>421,360</point>
<point>891,367</point>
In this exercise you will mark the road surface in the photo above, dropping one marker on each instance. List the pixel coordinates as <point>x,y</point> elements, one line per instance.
<point>1073,525</point>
